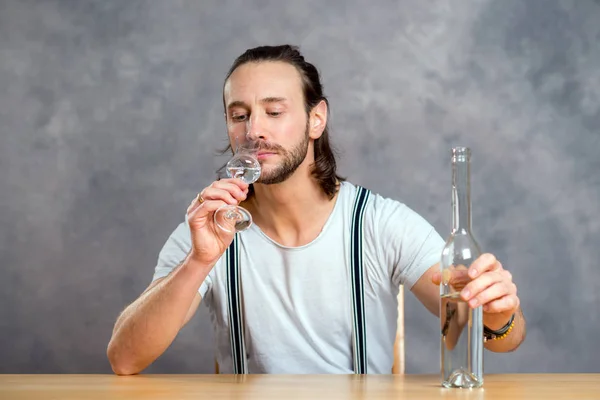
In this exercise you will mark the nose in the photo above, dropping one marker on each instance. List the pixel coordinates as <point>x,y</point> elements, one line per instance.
<point>254,129</point>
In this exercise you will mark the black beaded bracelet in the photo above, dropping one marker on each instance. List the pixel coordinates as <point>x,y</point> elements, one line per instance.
<point>489,334</point>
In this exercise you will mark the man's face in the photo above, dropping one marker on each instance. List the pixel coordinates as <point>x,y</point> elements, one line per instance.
<point>265,105</point>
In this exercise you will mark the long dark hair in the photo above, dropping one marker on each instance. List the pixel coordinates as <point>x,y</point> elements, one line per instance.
<point>324,170</point>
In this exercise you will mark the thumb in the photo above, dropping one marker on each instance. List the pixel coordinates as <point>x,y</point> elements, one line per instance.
<point>436,278</point>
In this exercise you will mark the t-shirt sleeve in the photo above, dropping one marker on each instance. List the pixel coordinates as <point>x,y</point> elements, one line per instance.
<point>407,243</point>
<point>174,252</point>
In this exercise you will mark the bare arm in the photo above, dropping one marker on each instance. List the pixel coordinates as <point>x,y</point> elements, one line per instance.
<point>147,327</point>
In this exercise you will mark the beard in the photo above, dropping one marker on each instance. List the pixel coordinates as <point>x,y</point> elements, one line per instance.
<point>291,161</point>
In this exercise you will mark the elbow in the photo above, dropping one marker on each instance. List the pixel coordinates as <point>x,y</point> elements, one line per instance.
<point>121,364</point>
<point>124,369</point>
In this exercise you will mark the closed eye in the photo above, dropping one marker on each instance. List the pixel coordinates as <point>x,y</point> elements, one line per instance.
<point>238,118</point>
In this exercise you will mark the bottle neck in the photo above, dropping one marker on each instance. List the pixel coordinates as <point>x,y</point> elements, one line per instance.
<point>461,195</point>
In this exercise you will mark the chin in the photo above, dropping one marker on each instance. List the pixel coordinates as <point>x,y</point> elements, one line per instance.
<point>271,179</point>
<point>267,172</point>
<point>268,180</point>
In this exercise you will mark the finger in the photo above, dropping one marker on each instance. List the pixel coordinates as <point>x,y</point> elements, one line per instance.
<point>490,294</point>
<point>204,216</point>
<point>211,194</point>
<point>457,278</point>
<point>234,190</point>
<point>235,181</point>
<point>193,205</point>
<point>486,262</point>
<point>208,207</point>
<point>481,283</point>
<point>506,303</point>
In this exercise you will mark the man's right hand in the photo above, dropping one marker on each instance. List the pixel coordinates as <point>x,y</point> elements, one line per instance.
<point>209,241</point>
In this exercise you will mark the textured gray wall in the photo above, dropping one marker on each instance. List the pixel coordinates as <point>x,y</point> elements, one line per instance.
<point>110,117</point>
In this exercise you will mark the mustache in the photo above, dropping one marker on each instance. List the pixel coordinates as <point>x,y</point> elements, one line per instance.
<point>262,145</point>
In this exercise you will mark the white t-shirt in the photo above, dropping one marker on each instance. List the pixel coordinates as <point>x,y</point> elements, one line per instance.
<point>297,301</point>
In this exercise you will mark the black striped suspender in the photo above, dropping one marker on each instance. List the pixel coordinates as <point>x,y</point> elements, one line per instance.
<point>359,331</point>
<point>358,289</point>
<point>234,301</point>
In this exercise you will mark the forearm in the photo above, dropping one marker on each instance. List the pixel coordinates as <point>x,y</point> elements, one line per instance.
<point>454,319</point>
<point>513,339</point>
<point>149,325</point>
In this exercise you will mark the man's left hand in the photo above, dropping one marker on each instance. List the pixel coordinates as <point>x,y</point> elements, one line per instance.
<point>491,287</point>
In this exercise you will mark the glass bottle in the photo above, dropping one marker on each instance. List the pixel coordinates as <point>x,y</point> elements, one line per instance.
<point>461,326</point>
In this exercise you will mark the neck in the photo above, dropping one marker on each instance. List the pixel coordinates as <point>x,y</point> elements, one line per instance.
<point>293,212</point>
<point>461,196</point>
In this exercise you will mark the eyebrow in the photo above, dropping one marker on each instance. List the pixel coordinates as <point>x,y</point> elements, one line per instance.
<point>266,100</point>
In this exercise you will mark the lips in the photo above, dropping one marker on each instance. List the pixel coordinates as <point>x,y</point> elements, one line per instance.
<point>265,154</point>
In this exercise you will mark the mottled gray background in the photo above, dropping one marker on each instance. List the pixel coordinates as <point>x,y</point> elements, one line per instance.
<point>110,118</point>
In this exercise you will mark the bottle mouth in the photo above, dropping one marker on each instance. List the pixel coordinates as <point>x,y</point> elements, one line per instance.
<point>461,153</point>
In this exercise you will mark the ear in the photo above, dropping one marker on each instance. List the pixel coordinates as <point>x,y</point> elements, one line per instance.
<point>317,120</point>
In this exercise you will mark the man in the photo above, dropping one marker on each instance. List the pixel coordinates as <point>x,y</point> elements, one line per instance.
<point>295,297</point>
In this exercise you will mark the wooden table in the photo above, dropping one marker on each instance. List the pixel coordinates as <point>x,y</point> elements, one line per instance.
<point>213,387</point>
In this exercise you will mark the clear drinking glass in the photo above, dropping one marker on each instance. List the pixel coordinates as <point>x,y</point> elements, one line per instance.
<point>461,326</point>
<point>245,166</point>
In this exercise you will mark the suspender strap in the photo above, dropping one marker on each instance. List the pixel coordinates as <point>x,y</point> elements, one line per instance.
<point>234,301</point>
<point>359,331</point>
<point>358,292</point>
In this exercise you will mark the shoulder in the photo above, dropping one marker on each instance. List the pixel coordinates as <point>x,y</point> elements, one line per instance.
<point>376,205</point>
<point>400,239</point>
<point>385,215</point>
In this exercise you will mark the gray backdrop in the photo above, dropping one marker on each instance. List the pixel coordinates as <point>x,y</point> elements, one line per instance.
<point>110,118</point>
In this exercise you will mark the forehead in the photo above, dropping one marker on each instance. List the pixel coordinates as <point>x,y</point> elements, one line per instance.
<point>255,80</point>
